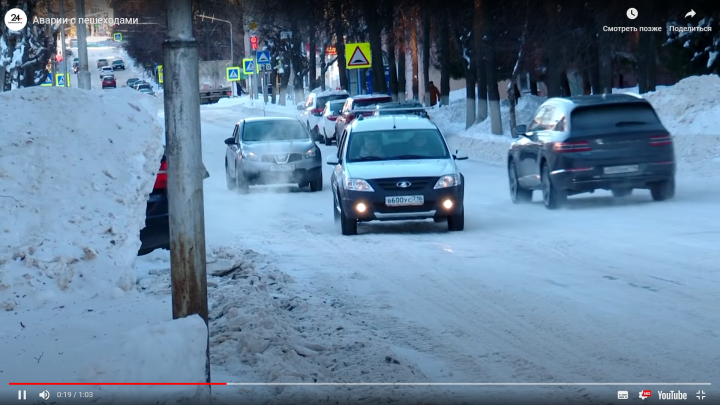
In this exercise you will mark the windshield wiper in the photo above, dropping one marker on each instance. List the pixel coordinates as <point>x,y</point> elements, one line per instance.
<point>402,157</point>
<point>368,159</point>
<point>627,123</point>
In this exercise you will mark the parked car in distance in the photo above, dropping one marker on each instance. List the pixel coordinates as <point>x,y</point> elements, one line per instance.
<point>131,81</point>
<point>328,118</point>
<point>401,108</point>
<point>109,82</point>
<point>400,168</point>
<point>348,113</point>
<point>102,63</point>
<point>147,91</point>
<point>118,64</point>
<point>146,86</point>
<point>272,150</point>
<point>581,144</point>
<point>106,71</point>
<point>311,111</point>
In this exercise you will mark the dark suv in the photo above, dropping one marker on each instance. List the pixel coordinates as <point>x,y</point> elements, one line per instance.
<point>586,143</point>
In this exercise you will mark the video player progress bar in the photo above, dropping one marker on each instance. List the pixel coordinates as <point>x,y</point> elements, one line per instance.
<point>547,384</point>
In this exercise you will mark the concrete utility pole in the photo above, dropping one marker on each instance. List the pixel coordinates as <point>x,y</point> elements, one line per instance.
<point>83,75</point>
<point>185,169</point>
<point>64,70</point>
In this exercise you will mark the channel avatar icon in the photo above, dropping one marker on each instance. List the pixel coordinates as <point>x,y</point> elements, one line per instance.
<point>645,394</point>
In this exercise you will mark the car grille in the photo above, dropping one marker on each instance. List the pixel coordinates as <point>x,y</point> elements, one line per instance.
<point>292,157</point>
<point>416,183</point>
<point>384,209</point>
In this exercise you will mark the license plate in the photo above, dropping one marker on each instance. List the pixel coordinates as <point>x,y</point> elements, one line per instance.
<point>400,201</point>
<point>621,169</point>
<point>282,168</point>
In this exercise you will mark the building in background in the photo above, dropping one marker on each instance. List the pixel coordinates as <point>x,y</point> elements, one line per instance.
<point>99,9</point>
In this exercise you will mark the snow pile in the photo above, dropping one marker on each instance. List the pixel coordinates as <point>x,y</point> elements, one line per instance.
<point>76,169</point>
<point>246,102</point>
<point>262,330</point>
<point>690,107</point>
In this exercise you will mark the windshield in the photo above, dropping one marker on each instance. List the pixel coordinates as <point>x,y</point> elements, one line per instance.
<point>396,144</point>
<point>269,131</point>
<point>336,107</point>
<point>636,115</point>
<point>324,99</point>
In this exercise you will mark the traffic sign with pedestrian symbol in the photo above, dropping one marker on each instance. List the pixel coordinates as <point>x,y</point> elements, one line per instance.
<point>117,37</point>
<point>263,57</point>
<point>161,77</point>
<point>233,73</point>
<point>48,80</point>
<point>248,66</point>
<point>62,80</point>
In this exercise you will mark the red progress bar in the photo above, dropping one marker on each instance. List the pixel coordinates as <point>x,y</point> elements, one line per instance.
<point>33,383</point>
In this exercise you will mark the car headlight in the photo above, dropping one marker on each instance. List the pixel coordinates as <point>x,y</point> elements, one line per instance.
<point>449,180</point>
<point>358,185</point>
<point>249,156</point>
<point>311,153</point>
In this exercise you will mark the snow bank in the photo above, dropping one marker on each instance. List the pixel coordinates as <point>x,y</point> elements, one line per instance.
<point>76,169</point>
<point>242,102</point>
<point>690,107</point>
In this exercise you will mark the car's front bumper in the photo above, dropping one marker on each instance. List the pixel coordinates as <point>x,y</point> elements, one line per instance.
<point>595,179</point>
<point>376,209</point>
<point>304,171</point>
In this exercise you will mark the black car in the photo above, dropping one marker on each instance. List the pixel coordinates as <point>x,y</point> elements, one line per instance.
<point>156,234</point>
<point>118,65</point>
<point>581,144</point>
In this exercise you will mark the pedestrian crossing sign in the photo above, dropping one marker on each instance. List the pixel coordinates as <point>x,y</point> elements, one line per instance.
<point>48,80</point>
<point>233,73</point>
<point>161,77</point>
<point>248,66</point>
<point>62,80</point>
<point>263,57</point>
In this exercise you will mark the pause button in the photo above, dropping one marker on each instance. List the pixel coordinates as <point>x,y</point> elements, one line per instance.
<point>22,394</point>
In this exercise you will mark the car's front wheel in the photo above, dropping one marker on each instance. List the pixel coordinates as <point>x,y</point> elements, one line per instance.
<point>317,183</point>
<point>231,184</point>
<point>518,195</point>
<point>348,226</point>
<point>328,141</point>
<point>241,183</point>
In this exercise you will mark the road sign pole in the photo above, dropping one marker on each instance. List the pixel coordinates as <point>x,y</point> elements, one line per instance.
<point>83,75</point>
<point>188,270</point>
<point>62,40</point>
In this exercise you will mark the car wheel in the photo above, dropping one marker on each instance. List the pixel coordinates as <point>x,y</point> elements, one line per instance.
<point>241,183</point>
<point>456,222</point>
<point>552,197</point>
<point>348,226</point>
<point>663,191</point>
<point>231,184</point>
<point>621,192</point>
<point>518,195</point>
<point>328,141</point>
<point>317,183</point>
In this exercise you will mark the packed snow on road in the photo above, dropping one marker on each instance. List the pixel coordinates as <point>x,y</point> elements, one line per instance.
<point>605,291</point>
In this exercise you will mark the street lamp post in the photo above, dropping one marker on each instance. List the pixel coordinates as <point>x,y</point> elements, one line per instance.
<point>232,53</point>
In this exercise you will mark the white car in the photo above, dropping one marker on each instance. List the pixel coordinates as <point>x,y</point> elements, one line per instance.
<point>327,120</point>
<point>310,112</point>
<point>396,168</point>
<point>106,71</point>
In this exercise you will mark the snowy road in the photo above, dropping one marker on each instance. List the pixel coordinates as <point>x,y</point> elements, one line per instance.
<point>602,292</point>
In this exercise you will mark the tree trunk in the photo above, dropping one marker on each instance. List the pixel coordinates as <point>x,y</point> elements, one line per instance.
<point>444,59</point>
<point>565,84</point>
<point>340,43</point>
<point>479,58</point>
<point>533,85</point>
<point>493,93</point>
<point>415,62</point>
<point>296,62</point>
<point>273,79</point>
<point>402,68</point>
<point>470,82</point>
<point>426,54</point>
<point>605,68</point>
<point>312,54</point>
<point>392,60</point>
<point>374,31</point>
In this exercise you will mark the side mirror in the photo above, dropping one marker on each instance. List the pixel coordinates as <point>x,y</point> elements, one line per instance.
<point>300,107</point>
<point>230,141</point>
<point>332,161</point>
<point>520,130</point>
<point>460,155</point>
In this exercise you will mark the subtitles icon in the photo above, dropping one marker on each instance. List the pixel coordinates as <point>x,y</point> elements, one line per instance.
<point>623,395</point>
<point>645,394</point>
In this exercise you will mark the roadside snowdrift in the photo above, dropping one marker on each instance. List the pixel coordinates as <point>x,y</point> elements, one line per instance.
<point>690,107</point>
<point>76,169</point>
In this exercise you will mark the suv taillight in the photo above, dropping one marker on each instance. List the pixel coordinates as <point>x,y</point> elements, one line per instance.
<point>161,181</point>
<point>317,110</point>
<point>661,140</point>
<point>565,147</point>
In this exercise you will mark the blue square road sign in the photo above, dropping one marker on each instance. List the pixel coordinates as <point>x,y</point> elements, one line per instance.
<point>263,57</point>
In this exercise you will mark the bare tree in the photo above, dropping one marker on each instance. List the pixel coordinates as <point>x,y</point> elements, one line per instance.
<point>490,66</point>
<point>478,35</point>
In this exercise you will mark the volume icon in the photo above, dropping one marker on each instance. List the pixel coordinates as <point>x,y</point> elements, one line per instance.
<point>45,395</point>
